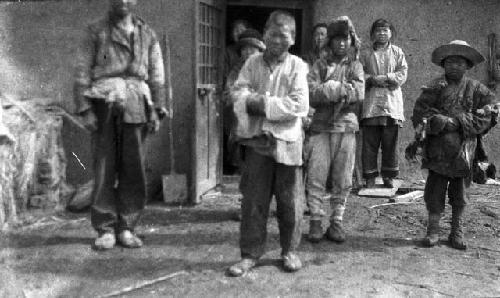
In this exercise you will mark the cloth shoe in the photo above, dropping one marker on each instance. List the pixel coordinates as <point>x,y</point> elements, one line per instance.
<point>370,183</point>
<point>291,262</point>
<point>315,231</point>
<point>336,232</point>
<point>388,182</point>
<point>105,241</point>
<point>456,237</point>
<point>242,267</point>
<point>129,240</point>
<point>432,237</point>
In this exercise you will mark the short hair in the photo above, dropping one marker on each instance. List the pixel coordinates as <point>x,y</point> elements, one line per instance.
<point>382,23</point>
<point>281,18</point>
<point>319,25</point>
<point>242,22</point>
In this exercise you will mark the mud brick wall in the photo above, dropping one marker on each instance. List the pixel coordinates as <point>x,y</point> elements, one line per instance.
<point>421,26</point>
<point>37,56</point>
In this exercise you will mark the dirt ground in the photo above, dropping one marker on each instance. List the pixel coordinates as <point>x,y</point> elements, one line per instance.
<point>187,250</point>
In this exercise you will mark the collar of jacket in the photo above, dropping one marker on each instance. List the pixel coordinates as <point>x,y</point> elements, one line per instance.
<point>117,35</point>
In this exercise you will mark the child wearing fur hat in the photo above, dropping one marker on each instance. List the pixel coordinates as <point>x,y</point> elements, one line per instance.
<point>336,85</point>
<point>456,109</point>
<point>385,71</point>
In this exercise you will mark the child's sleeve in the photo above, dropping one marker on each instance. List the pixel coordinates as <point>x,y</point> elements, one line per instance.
<point>401,71</point>
<point>323,93</point>
<point>296,103</point>
<point>355,87</point>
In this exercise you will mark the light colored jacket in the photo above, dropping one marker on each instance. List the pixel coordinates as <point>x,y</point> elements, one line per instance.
<point>287,98</point>
<point>378,102</point>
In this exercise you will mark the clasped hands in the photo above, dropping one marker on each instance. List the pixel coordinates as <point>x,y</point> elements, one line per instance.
<point>382,81</point>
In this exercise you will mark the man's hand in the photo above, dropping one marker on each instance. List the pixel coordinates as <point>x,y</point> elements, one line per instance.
<point>89,120</point>
<point>255,105</point>
<point>153,123</point>
<point>380,81</point>
<point>163,112</point>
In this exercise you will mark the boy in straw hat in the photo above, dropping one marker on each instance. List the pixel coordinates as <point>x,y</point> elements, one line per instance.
<point>454,108</point>
<point>336,87</point>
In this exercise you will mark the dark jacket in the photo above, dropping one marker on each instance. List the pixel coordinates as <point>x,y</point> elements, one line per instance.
<point>449,147</point>
<point>107,52</point>
<point>336,93</point>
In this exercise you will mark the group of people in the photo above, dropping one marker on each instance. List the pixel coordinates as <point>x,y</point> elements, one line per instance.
<point>296,118</point>
<point>292,122</point>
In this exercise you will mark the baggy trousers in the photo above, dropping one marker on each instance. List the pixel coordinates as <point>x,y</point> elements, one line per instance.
<point>435,192</point>
<point>119,193</point>
<point>386,138</point>
<point>335,152</point>
<point>262,177</point>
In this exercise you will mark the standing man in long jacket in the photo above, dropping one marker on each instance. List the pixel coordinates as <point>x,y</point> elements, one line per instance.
<point>120,93</point>
<point>455,108</point>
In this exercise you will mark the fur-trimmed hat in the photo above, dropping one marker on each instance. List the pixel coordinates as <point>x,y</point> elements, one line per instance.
<point>343,26</point>
<point>252,38</point>
<point>457,48</point>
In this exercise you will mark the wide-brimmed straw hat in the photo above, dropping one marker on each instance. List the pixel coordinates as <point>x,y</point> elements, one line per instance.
<point>457,48</point>
<point>251,37</point>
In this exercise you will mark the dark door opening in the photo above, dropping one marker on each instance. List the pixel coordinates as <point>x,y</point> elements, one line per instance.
<point>257,17</point>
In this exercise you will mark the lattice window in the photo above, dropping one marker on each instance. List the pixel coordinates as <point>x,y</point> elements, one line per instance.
<point>209,36</point>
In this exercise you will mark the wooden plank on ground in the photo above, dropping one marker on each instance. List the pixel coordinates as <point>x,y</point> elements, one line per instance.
<point>380,191</point>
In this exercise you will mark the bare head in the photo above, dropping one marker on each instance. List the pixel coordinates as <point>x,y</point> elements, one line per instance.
<point>319,35</point>
<point>122,8</point>
<point>238,27</point>
<point>279,32</point>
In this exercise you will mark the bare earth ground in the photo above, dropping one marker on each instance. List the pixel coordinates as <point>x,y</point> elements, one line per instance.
<point>381,258</point>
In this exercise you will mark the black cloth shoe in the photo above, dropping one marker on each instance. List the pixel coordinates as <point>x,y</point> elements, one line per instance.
<point>456,237</point>
<point>336,232</point>
<point>315,231</point>
<point>388,182</point>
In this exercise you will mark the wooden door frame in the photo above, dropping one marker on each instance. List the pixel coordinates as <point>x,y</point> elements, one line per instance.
<point>307,14</point>
<point>193,197</point>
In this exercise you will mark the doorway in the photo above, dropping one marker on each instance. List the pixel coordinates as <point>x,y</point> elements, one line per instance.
<point>257,17</point>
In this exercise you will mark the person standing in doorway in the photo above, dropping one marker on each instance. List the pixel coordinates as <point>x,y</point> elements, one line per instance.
<point>385,71</point>
<point>318,43</point>
<point>232,55</point>
<point>249,43</point>
<point>120,93</point>
<point>270,98</point>
<point>336,87</point>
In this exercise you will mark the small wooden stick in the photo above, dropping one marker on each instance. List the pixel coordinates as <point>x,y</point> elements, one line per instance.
<point>389,204</point>
<point>143,284</point>
<point>422,286</point>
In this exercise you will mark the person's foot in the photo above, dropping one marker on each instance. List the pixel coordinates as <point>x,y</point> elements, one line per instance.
<point>432,237</point>
<point>430,240</point>
<point>315,231</point>
<point>370,183</point>
<point>129,240</point>
<point>388,182</point>
<point>457,241</point>
<point>105,241</point>
<point>336,232</point>
<point>456,237</point>
<point>242,267</point>
<point>291,262</point>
